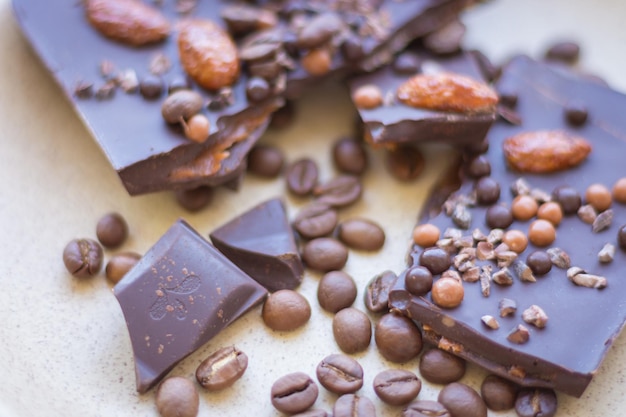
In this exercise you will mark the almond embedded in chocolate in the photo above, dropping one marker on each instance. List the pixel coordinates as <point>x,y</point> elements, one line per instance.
<point>545,151</point>
<point>448,92</point>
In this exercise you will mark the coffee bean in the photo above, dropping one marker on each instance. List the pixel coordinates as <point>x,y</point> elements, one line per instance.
<point>83,257</point>
<point>569,199</point>
<point>539,262</point>
<point>567,52</point>
<point>112,230</point>
<point>377,292</point>
<point>397,386</point>
<point>294,393</point>
<point>222,368</point>
<point>349,156</point>
<point>440,367</point>
<point>311,413</point>
<point>286,310</point>
<point>325,254</point>
<point>341,191</point>
<point>425,408</point>
<point>361,234</point>
<point>418,280</point>
<point>487,191</point>
<point>336,291</point>
<point>405,163</point>
<point>266,161</point>
<point>499,217</point>
<point>340,374</point>
<point>398,339</point>
<point>177,397</point>
<point>536,402</point>
<point>498,393</point>
<point>302,176</point>
<point>151,87</point>
<point>435,259</point>
<point>351,405</point>
<point>462,401</point>
<point>479,166</point>
<point>352,330</point>
<point>315,220</point>
<point>194,199</point>
<point>406,63</point>
<point>120,264</point>
<point>319,30</point>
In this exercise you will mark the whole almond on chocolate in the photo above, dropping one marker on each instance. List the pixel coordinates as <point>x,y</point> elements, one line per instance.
<point>129,21</point>
<point>545,151</point>
<point>447,92</point>
<point>208,54</point>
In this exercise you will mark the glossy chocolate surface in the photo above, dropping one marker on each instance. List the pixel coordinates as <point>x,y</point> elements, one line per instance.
<point>583,322</point>
<point>394,122</point>
<point>180,295</point>
<point>261,242</point>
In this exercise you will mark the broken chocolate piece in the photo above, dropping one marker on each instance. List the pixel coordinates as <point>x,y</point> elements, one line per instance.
<point>181,294</point>
<point>261,242</point>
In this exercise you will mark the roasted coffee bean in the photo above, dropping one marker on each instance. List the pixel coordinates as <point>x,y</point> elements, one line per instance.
<point>112,230</point>
<point>319,30</point>
<point>194,199</point>
<point>418,280</point>
<point>569,199</point>
<point>499,217</point>
<point>351,405</point>
<point>120,264</point>
<point>398,339</point>
<point>340,191</point>
<point>462,401</point>
<point>340,374</point>
<point>83,257</point>
<point>349,156</point>
<point>352,330</point>
<point>487,191</point>
<point>536,402</point>
<point>315,220</point>
<point>440,367</point>
<point>311,413</point>
<point>361,234</point>
<point>294,393</point>
<point>377,292</point>
<point>435,259</point>
<point>286,310</point>
<point>397,386</point>
<point>242,19</point>
<point>325,254</point>
<point>405,163</point>
<point>177,397</point>
<point>302,176</point>
<point>151,87</point>
<point>498,393</point>
<point>425,408</point>
<point>567,52</point>
<point>336,291</point>
<point>539,262</point>
<point>222,368</point>
<point>266,161</point>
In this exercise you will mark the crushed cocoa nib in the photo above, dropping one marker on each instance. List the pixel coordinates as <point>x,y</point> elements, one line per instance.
<point>607,253</point>
<point>536,316</point>
<point>495,236</point>
<point>485,251</point>
<point>223,98</point>
<point>471,275</point>
<point>463,261</point>
<point>540,196</point>
<point>581,278</point>
<point>464,242</point>
<point>490,321</point>
<point>83,89</point>
<point>520,187</point>
<point>603,221</point>
<point>449,346</point>
<point>450,273</point>
<point>107,69</point>
<point>485,280</point>
<point>559,258</point>
<point>507,307</point>
<point>519,335</point>
<point>159,64</point>
<point>106,90</point>
<point>461,216</point>
<point>523,271</point>
<point>505,258</point>
<point>503,276</point>
<point>446,244</point>
<point>587,213</point>
<point>127,80</point>
<point>453,233</point>
<point>478,235</point>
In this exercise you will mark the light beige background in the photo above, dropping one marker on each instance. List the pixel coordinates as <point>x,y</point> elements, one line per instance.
<point>64,349</point>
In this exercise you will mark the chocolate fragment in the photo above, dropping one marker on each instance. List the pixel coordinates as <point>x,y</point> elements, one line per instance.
<point>178,296</point>
<point>261,242</point>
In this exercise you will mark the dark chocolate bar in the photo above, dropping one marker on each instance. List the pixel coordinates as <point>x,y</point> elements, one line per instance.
<point>261,242</point>
<point>394,122</point>
<point>583,293</point>
<point>180,295</point>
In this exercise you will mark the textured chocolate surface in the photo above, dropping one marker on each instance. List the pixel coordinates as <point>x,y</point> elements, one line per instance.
<point>582,322</point>
<point>181,294</point>
<point>261,242</point>
<point>394,122</point>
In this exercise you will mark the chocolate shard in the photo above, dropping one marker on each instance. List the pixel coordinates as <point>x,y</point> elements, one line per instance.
<point>584,298</point>
<point>261,242</point>
<point>180,295</point>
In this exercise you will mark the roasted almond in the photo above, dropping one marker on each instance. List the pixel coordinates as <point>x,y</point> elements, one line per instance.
<point>447,92</point>
<point>545,151</point>
<point>208,54</point>
<point>130,21</point>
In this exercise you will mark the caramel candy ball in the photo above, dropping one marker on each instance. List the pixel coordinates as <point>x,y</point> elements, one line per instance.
<point>516,240</point>
<point>541,233</point>
<point>426,235</point>
<point>524,207</point>
<point>550,211</point>
<point>447,292</point>
<point>599,197</point>
<point>619,190</point>
<point>367,96</point>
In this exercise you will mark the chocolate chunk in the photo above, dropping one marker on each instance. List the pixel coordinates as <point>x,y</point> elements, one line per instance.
<point>261,243</point>
<point>181,294</point>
